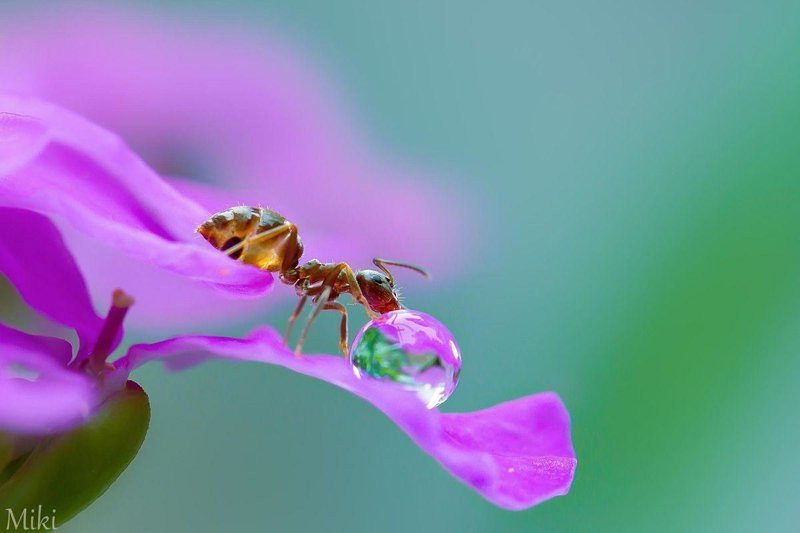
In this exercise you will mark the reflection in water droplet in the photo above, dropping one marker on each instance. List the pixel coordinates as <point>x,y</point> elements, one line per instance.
<point>410,348</point>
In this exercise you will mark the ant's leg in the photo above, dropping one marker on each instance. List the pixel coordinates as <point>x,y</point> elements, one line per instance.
<point>336,306</point>
<point>277,230</point>
<point>328,282</point>
<point>323,299</point>
<point>294,316</point>
<point>290,250</point>
<point>355,290</point>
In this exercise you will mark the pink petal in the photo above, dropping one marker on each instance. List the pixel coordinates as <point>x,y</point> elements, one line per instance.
<point>34,259</point>
<point>102,195</point>
<point>515,454</point>
<point>38,393</point>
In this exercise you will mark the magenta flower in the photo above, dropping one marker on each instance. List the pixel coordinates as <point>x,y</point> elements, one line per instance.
<point>59,172</point>
<point>515,454</point>
<point>238,111</point>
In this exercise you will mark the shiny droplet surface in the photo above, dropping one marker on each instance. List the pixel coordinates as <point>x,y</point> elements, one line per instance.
<point>410,348</point>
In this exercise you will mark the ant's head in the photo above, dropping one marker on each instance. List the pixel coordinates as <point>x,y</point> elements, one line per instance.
<point>378,287</point>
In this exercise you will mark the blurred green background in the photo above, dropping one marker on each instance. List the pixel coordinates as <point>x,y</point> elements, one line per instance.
<point>635,171</point>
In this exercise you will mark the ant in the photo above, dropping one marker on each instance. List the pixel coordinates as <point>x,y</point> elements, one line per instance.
<point>265,239</point>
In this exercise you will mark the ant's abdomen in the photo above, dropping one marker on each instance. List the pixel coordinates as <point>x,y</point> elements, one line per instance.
<point>253,235</point>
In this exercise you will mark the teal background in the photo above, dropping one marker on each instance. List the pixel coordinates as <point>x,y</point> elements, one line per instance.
<point>633,170</point>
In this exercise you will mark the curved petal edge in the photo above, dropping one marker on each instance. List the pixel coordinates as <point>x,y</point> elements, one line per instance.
<point>515,454</point>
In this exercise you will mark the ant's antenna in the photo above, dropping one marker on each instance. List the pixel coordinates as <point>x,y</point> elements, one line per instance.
<point>381,263</point>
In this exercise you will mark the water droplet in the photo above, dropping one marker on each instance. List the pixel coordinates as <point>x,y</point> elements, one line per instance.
<point>410,348</point>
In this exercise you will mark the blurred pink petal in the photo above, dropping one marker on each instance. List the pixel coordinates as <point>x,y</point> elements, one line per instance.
<point>515,454</point>
<point>21,139</point>
<point>217,102</point>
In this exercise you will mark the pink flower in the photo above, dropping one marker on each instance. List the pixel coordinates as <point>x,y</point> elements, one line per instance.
<point>244,113</point>
<point>60,173</point>
<point>515,454</point>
